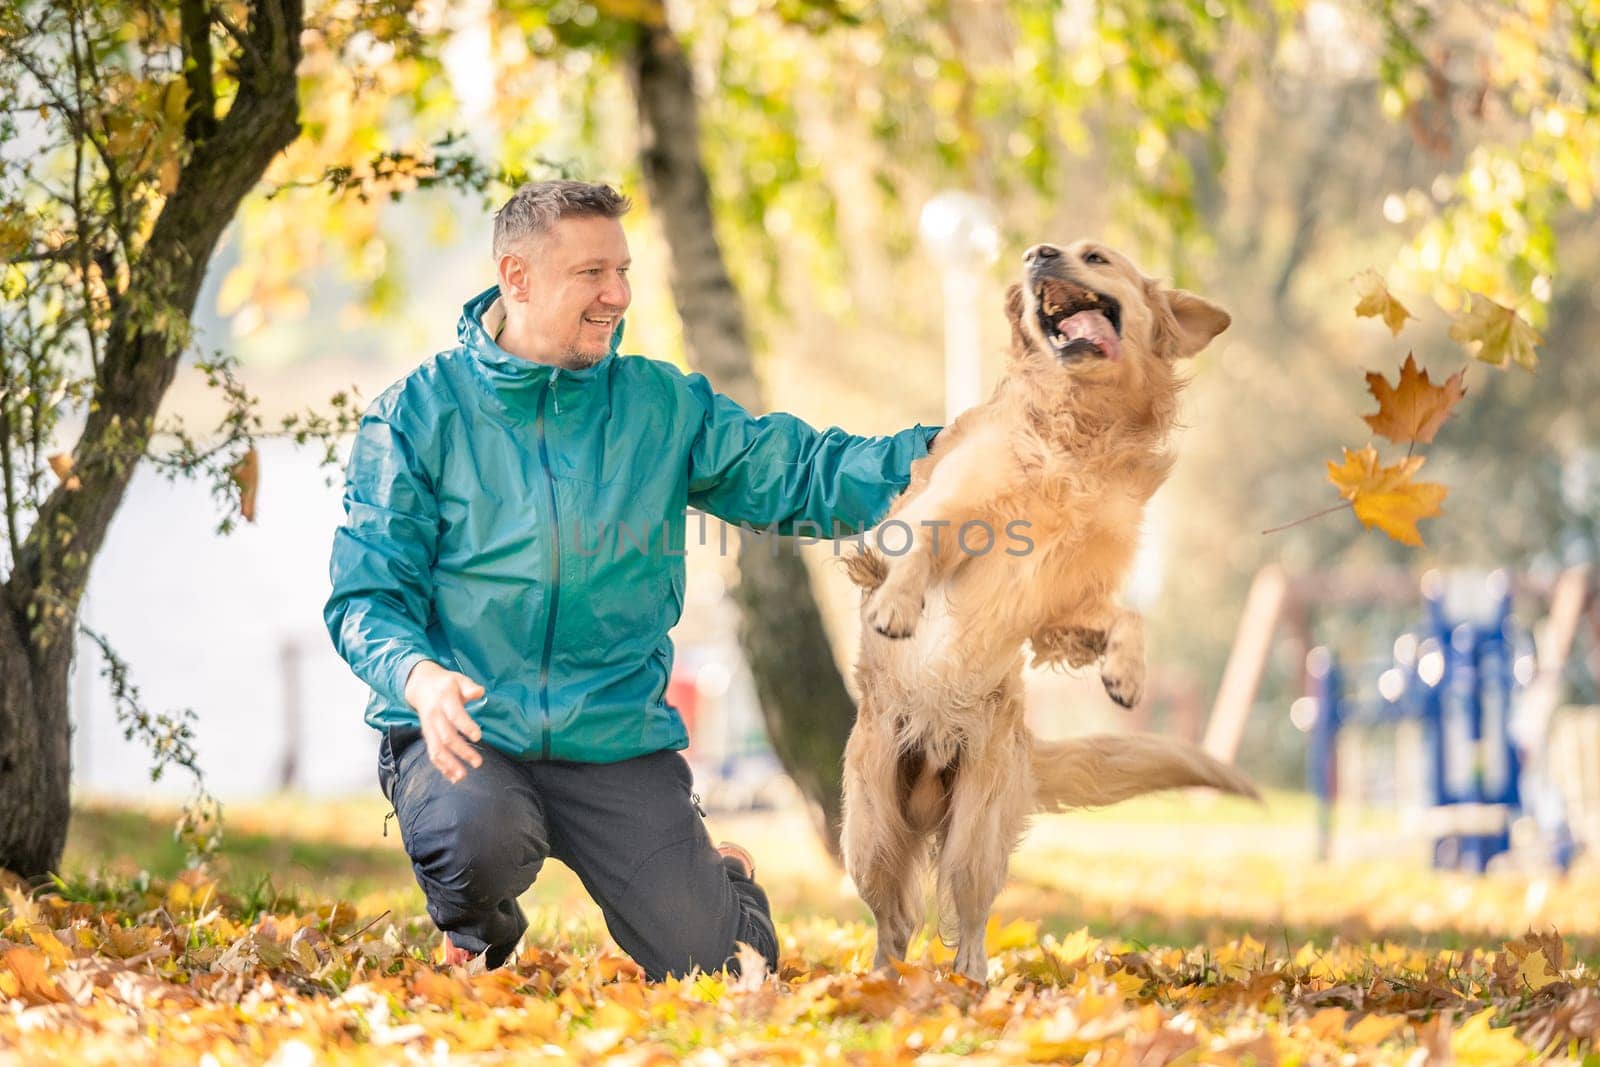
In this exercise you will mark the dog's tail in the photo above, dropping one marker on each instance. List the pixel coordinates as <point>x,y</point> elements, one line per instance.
<point>1086,772</point>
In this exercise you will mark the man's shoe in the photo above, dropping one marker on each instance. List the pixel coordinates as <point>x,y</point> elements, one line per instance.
<point>729,850</point>
<point>453,956</point>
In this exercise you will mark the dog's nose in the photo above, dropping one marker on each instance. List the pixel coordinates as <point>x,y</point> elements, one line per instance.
<point>1041,252</point>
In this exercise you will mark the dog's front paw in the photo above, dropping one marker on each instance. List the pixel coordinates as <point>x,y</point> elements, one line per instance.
<point>1125,691</point>
<point>1123,676</point>
<point>894,612</point>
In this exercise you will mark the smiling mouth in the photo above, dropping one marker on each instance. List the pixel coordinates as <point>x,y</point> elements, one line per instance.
<point>608,321</point>
<point>1077,321</point>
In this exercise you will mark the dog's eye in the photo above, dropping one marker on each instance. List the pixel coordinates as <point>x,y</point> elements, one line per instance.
<point>1095,258</point>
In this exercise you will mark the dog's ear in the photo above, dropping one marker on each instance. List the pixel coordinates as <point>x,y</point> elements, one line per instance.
<point>1194,322</point>
<point>1014,312</point>
<point>1014,304</point>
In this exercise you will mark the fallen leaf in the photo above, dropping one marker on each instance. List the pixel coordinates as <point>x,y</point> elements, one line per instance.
<point>1386,497</point>
<point>1495,333</point>
<point>1375,299</point>
<point>1535,970</point>
<point>1413,408</point>
<point>1374,1029</point>
<point>1478,1042</point>
<point>22,974</point>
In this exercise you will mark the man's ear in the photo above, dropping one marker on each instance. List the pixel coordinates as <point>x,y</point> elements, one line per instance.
<point>1196,321</point>
<point>512,271</point>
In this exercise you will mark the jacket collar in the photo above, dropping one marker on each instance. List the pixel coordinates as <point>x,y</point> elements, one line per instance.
<point>481,320</point>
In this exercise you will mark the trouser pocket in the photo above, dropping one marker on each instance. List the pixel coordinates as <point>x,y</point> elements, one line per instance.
<point>392,745</point>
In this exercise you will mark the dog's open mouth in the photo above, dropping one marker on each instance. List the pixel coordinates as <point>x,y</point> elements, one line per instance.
<point>1079,322</point>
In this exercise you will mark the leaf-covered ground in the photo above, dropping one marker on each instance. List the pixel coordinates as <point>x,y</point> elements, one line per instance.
<point>1151,934</point>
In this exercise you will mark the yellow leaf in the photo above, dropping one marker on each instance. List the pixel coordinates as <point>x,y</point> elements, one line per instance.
<point>1327,1023</point>
<point>46,941</point>
<point>246,474</point>
<point>1536,970</point>
<point>62,464</point>
<point>1237,958</point>
<point>1374,1029</point>
<point>175,102</point>
<point>1478,1042</point>
<point>1019,933</point>
<point>1386,497</point>
<point>167,175</point>
<point>1495,333</point>
<point>442,989</point>
<point>709,989</point>
<point>1077,947</point>
<point>1413,408</point>
<point>1375,299</point>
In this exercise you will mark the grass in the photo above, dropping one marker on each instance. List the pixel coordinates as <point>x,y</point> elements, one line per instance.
<point>1171,870</point>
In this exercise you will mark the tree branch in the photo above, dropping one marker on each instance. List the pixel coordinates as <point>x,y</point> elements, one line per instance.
<point>240,38</point>
<point>148,332</point>
<point>201,121</point>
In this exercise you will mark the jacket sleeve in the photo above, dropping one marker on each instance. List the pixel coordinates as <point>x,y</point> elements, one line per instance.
<point>776,469</point>
<point>382,561</point>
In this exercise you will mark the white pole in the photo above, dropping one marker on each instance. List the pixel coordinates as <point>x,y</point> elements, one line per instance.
<point>959,231</point>
<point>963,345</point>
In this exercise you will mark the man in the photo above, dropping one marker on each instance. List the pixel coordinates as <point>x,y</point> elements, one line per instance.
<point>508,569</point>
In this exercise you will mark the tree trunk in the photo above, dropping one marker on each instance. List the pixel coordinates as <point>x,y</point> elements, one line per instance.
<point>39,601</point>
<point>807,709</point>
<point>35,749</point>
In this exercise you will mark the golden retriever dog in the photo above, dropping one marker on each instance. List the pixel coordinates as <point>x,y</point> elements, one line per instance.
<point>1020,526</point>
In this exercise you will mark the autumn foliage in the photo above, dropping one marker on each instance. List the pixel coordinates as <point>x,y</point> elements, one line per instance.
<point>187,971</point>
<point>1412,410</point>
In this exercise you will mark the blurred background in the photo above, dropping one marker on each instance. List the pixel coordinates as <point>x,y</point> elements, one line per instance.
<point>1262,154</point>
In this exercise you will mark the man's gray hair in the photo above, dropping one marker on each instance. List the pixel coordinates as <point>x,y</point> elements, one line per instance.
<point>534,209</point>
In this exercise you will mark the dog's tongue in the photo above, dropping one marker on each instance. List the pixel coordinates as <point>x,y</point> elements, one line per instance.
<point>1095,327</point>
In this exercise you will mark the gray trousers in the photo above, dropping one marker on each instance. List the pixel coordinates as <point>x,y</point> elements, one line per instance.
<point>630,831</point>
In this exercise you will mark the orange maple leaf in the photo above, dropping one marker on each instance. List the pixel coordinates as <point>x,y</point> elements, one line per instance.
<point>1413,408</point>
<point>1386,497</point>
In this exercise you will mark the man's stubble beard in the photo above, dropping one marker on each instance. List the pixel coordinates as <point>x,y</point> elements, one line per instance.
<point>577,359</point>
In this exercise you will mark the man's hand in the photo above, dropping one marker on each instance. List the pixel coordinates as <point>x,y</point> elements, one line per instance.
<point>439,698</point>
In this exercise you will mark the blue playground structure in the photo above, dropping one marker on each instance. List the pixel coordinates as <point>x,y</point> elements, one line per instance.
<point>1445,732</point>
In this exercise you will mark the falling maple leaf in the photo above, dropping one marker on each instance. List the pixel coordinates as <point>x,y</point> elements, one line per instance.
<point>1413,408</point>
<point>1495,333</point>
<point>247,475</point>
<point>1375,299</point>
<point>1386,497</point>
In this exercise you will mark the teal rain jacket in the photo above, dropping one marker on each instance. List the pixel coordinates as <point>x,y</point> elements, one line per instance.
<point>524,524</point>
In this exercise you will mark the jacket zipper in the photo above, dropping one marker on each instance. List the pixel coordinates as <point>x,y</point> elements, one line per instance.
<point>555,572</point>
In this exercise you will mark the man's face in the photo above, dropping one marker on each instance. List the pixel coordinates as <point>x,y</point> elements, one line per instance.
<point>572,287</point>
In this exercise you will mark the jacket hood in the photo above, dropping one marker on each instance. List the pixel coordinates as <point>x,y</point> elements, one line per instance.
<point>481,319</point>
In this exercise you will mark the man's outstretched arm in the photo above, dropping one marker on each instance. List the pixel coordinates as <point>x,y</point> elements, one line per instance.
<point>776,469</point>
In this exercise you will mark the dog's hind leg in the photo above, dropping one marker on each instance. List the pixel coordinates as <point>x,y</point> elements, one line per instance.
<point>883,852</point>
<point>989,806</point>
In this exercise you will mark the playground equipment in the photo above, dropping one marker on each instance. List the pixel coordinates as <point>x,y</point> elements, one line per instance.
<point>1435,729</point>
<point>1461,734</point>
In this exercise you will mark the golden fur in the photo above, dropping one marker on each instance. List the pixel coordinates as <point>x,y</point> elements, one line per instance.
<point>1073,444</point>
